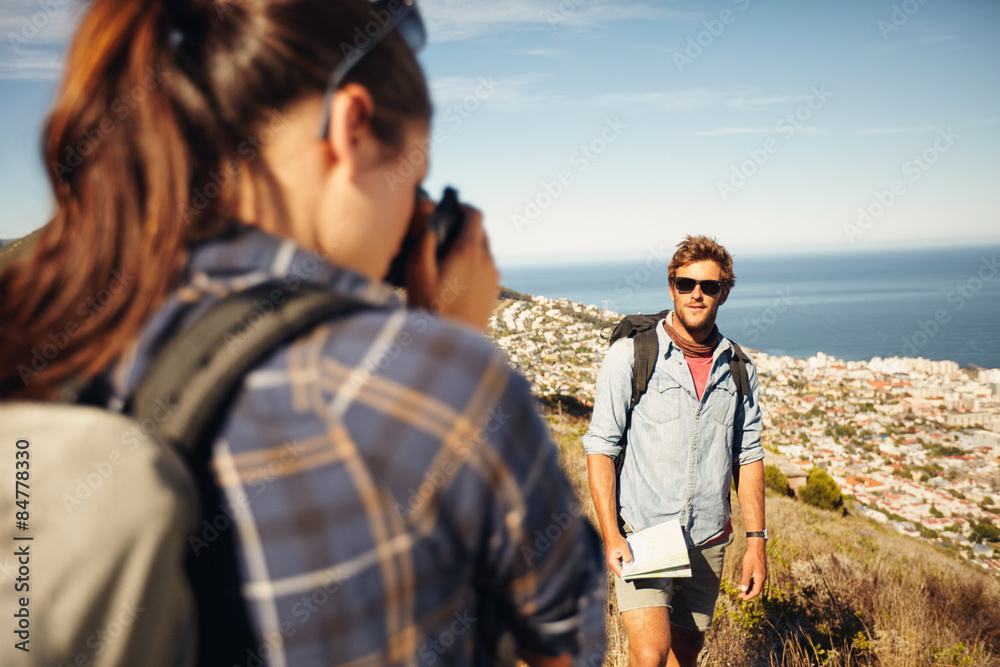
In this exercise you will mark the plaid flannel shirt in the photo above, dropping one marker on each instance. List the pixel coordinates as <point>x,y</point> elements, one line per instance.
<point>386,474</point>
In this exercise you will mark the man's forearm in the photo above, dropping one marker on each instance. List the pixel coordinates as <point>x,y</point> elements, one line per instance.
<point>751,495</point>
<point>601,472</point>
<point>750,492</point>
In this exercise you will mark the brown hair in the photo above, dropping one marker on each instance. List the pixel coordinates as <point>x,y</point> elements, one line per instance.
<point>700,248</point>
<point>162,105</point>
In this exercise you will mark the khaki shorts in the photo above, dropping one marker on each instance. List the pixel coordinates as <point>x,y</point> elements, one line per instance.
<point>691,600</point>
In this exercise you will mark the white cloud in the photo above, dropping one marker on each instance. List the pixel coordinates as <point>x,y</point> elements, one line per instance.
<point>728,131</point>
<point>458,20</point>
<point>899,129</point>
<point>539,51</point>
<point>34,34</point>
<point>508,94</point>
<point>895,129</point>
<point>700,98</point>
<point>36,65</point>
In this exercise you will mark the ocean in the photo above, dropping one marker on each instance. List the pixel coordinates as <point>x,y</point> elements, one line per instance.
<point>941,304</point>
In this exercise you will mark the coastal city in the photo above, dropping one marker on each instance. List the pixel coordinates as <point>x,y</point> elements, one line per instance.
<point>915,444</point>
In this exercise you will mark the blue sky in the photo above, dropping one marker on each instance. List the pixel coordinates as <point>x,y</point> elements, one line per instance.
<point>590,128</point>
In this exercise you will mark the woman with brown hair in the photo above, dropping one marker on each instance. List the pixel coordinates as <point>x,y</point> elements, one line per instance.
<point>386,474</point>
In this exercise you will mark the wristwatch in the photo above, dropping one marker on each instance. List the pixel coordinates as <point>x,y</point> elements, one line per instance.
<point>759,533</point>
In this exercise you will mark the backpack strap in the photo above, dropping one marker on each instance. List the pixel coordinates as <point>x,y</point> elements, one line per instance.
<point>197,371</point>
<point>646,348</point>
<point>738,361</point>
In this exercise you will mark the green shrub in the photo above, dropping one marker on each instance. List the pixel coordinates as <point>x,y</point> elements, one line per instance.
<point>985,531</point>
<point>821,491</point>
<point>775,480</point>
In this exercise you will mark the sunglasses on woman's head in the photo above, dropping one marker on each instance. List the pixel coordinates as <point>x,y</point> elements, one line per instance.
<point>387,15</point>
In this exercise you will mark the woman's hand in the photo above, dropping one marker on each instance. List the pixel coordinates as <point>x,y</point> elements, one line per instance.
<point>465,286</point>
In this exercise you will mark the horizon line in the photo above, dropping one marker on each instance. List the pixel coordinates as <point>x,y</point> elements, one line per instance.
<point>588,257</point>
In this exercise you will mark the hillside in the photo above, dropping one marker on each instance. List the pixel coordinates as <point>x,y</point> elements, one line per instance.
<point>915,442</point>
<point>10,251</point>
<point>842,589</point>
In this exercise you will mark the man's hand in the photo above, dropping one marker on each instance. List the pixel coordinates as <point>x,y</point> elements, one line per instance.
<point>616,551</point>
<point>754,569</point>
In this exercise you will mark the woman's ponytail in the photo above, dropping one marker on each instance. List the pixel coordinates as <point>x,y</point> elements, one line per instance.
<point>142,148</point>
<point>117,158</point>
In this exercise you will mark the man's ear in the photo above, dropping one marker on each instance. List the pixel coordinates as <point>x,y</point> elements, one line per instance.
<point>724,295</point>
<point>349,136</point>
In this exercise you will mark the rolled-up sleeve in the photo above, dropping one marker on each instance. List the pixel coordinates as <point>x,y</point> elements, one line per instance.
<point>746,446</point>
<point>613,394</point>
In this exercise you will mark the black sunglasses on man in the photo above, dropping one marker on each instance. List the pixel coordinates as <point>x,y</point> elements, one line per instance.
<point>708,287</point>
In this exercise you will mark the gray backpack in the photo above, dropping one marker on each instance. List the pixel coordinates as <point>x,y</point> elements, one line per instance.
<point>96,569</point>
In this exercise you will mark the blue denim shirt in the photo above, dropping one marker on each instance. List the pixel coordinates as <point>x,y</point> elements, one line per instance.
<point>678,462</point>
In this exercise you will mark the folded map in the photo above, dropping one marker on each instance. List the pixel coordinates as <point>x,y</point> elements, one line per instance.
<point>658,551</point>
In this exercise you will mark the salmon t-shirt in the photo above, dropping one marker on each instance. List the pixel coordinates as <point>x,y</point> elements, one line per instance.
<point>700,367</point>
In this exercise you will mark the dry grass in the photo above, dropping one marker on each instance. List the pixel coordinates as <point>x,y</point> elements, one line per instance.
<point>841,592</point>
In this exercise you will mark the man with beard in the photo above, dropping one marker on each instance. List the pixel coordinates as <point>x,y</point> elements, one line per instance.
<point>688,436</point>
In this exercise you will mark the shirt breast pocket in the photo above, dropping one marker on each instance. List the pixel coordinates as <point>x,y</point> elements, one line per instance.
<point>723,408</point>
<point>662,401</point>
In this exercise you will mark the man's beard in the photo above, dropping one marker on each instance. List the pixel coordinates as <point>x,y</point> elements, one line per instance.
<point>697,331</point>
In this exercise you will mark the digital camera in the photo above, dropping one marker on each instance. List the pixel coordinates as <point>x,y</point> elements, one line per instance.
<point>445,222</point>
